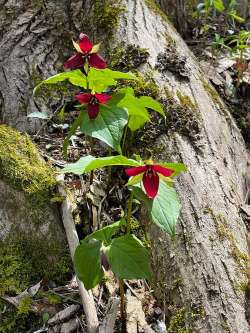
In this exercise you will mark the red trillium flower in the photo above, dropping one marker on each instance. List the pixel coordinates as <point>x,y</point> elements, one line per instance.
<point>150,177</point>
<point>93,102</point>
<point>86,52</point>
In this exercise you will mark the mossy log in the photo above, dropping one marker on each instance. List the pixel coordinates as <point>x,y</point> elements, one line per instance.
<point>202,277</point>
<point>32,240</point>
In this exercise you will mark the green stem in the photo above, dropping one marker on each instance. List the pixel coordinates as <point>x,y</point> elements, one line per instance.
<point>124,139</point>
<point>129,212</point>
<point>87,72</point>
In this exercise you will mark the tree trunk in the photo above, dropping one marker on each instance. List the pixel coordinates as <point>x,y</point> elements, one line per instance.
<point>202,276</point>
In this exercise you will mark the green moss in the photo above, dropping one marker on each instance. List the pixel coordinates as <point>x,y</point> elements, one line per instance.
<point>12,321</point>
<point>183,117</point>
<point>144,86</point>
<point>106,16</point>
<point>181,321</point>
<point>25,260</point>
<point>171,61</point>
<point>155,8</point>
<point>21,166</point>
<point>186,102</point>
<point>128,57</point>
<point>212,93</point>
<point>24,305</point>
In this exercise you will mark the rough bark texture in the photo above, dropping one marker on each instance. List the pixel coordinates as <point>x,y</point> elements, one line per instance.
<point>201,277</point>
<point>203,267</point>
<point>35,38</point>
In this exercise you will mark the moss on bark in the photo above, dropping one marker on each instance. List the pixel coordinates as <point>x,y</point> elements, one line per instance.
<point>22,167</point>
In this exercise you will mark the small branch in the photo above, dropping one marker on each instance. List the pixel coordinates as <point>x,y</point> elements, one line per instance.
<point>108,323</point>
<point>129,214</point>
<point>73,241</point>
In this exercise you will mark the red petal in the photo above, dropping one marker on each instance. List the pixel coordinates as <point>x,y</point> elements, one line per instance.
<point>151,184</point>
<point>162,170</point>
<point>95,60</point>
<point>84,43</point>
<point>103,98</point>
<point>135,171</point>
<point>83,98</point>
<point>74,62</point>
<point>93,110</point>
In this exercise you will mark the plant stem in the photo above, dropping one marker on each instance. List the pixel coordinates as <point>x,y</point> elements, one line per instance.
<point>122,296</point>
<point>129,213</point>
<point>87,72</point>
<point>124,139</point>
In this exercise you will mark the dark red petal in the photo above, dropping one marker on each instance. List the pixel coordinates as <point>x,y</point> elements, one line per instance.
<point>95,60</point>
<point>162,170</point>
<point>135,171</point>
<point>103,98</point>
<point>83,98</point>
<point>151,184</point>
<point>74,62</point>
<point>93,110</point>
<point>84,43</point>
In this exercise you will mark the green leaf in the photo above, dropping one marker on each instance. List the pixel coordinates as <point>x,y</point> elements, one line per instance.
<point>164,210</point>
<point>219,5</point>
<point>77,122</point>
<point>137,108</point>
<point>107,127</point>
<point>119,75</point>
<point>45,317</point>
<point>138,114</point>
<point>149,102</point>
<point>177,167</point>
<point>237,18</point>
<point>135,180</point>
<point>87,263</point>
<point>105,234</point>
<point>75,77</point>
<point>40,115</point>
<point>79,167</point>
<point>100,79</point>
<point>129,259</point>
<point>89,163</point>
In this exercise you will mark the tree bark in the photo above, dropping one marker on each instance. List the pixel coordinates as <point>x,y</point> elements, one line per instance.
<point>204,266</point>
<point>202,276</point>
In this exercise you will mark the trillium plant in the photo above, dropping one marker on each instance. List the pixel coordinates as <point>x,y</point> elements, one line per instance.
<point>109,114</point>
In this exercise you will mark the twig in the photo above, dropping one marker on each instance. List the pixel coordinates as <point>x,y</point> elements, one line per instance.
<point>73,241</point>
<point>132,291</point>
<point>108,323</point>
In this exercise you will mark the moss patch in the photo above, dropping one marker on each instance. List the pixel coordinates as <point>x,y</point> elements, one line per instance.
<point>11,320</point>
<point>171,61</point>
<point>25,260</point>
<point>183,116</point>
<point>155,8</point>
<point>106,16</point>
<point>212,93</point>
<point>182,320</point>
<point>144,86</point>
<point>128,57</point>
<point>21,166</point>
